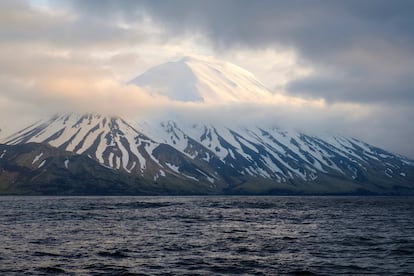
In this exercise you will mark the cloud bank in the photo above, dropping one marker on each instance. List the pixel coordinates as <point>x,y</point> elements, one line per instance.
<point>345,67</point>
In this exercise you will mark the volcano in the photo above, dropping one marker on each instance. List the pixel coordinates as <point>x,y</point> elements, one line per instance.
<point>203,79</point>
<point>62,154</point>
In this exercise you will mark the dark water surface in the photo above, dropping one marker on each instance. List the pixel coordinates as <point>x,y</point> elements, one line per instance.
<point>207,235</point>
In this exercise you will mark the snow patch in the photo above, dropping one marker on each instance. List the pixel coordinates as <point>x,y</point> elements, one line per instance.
<point>111,159</point>
<point>207,158</point>
<point>190,177</point>
<point>37,157</point>
<point>118,163</point>
<point>384,155</point>
<point>42,164</point>
<point>173,167</point>
<point>407,162</point>
<point>132,167</point>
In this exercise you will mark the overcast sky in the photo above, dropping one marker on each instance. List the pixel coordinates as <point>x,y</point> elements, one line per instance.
<point>348,63</point>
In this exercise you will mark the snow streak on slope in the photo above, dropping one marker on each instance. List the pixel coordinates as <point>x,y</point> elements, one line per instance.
<point>110,140</point>
<point>272,153</point>
<point>203,79</point>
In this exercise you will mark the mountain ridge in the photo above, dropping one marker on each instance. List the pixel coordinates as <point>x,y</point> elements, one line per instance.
<point>223,159</point>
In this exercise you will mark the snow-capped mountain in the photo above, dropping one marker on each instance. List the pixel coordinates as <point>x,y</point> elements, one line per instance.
<point>222,157</point>
<point>179,157</point>
<point>203,79</point>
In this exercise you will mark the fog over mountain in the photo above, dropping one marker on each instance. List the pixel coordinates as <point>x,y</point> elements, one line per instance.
<point>336,67</point>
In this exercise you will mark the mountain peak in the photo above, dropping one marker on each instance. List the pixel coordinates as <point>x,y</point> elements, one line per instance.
<point>202,79</point>
<point>188,58</point>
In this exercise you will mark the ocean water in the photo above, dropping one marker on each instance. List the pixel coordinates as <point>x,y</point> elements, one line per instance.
<point>207,235</point>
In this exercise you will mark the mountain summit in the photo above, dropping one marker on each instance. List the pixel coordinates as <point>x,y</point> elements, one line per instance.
<point>203,79</point>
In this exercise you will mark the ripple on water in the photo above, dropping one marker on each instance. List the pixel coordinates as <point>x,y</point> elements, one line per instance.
<point>206,235</point>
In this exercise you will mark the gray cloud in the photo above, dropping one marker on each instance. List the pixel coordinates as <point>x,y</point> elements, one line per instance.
<point>362,88</point>
<point>350,37</point>
<point>22,23</point>
<point>360,51</point>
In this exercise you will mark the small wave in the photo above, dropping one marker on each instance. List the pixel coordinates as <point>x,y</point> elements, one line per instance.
<point>402,250</point>
<point>287,238</point>
<point>45,254</point>
<point>142,205</point>
<point>51,270</point>
<point>241,205</point>
<point>100,268</point>
<point>302,272</point>
<point>113,254</point>
<point>46,241</point>
<point>358,241</point>
<point>229,269</point>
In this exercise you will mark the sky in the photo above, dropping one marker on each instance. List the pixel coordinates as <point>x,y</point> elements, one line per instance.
<point>340,66</point>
